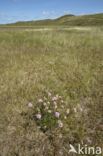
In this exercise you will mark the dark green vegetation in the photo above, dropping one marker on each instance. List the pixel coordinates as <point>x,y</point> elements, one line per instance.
<point>67,62</point>
<point>69,20</point>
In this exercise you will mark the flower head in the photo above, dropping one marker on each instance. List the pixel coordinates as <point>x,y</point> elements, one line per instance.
<point>60,124</point>
<point>38,116</point>
<point>65,117</point>
<point>49,111</point>
<point>81,109</point>
<point>54,98</point>
<point>88,139</point>
<point>46,108</point>
<point>44,104</point>
<point>68,111</point>
<point>49,94</point>
<point>75,110</point>
<point>55,106</point>
<point>40,100</point>
<point>57,114</point>
<point>62,101</point>
<point>62,106</point>
<point>30,105</point>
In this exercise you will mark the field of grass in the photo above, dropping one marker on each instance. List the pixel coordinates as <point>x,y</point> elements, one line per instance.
<point>68,63</point>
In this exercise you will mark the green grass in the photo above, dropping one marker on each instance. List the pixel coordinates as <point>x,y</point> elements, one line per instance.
<point>65,62</point>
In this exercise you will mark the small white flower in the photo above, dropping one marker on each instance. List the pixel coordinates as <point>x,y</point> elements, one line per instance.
<point>60,97</point>
<point>68,111</point>
<point>44,104</point>
<point>65,117</point>
<point>49,111</point>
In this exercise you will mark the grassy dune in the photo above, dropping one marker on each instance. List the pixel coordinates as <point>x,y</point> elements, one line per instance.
<point>66,20</point>
<point>64,62</point>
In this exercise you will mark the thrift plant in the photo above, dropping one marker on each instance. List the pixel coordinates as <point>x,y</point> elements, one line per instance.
<point>50,112</point>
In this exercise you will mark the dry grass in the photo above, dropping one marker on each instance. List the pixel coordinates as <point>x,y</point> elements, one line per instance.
<point>68,63</point>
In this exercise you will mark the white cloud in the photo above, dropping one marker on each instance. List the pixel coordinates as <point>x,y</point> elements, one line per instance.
<point>45,13</point>
<point>9,19</point>
<point>50,14</point>
<point>67,12</point>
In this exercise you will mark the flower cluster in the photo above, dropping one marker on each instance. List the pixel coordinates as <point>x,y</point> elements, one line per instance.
<point>50,111</point>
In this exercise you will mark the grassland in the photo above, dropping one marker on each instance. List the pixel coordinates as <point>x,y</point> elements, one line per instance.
<point>67,62</point>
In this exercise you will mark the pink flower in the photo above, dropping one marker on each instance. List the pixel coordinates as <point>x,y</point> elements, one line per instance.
<point>57,114</point>
<point>40,100</point>
<point>30,105</point>
<point>81,109</point>
<point>62,106</point>
<point>49,103</point>
<point>75,110</point>
<point>88,139</point>
<point>62,101</point>
<point>55,106</point>
<point>38,116</point>
<point>49,94</point>
<point>54,98</point>
<point>49,111</point>
<point>46,108</point>
<point>60,124</point>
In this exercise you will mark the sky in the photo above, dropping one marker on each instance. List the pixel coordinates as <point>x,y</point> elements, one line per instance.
<point>27,10</point>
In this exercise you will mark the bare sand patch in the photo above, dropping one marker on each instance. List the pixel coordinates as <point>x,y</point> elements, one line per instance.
<point>51,29</point>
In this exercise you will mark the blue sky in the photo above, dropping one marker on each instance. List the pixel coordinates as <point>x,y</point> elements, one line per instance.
<point>24,10</point>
